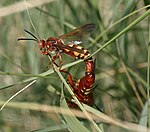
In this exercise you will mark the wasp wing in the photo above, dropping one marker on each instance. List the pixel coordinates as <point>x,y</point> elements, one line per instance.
<point>79,34</point>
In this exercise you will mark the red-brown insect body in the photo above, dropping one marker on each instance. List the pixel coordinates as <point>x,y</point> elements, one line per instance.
<point>68,44</point>
<point>51,45</point>
<point>57,46</point>
<point>83,88</point>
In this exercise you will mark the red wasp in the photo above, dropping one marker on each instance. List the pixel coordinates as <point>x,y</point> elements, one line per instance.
<point>68,44</point>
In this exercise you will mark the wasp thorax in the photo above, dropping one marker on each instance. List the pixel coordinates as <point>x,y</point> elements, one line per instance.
<point>51,44</point>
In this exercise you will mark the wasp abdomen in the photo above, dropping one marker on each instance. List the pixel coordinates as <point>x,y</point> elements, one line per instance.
<point>76,51</point>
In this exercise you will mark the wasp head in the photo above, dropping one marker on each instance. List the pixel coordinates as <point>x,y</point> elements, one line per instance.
<point>42,46</point>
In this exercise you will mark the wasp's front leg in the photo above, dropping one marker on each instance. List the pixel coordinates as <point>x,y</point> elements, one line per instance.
<point>58,55</point>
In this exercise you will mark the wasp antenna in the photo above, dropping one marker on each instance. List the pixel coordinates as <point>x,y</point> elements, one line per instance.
<point>27,39</point>
<point>31,34</point>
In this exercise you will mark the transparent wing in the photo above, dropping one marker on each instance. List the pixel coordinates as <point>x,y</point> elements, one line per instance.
<point>79,34</point>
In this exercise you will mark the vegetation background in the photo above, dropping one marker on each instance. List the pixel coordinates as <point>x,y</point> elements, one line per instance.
<point>121,66</point>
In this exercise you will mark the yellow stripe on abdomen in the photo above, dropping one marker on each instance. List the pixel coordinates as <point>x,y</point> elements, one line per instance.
<point>76,54</point>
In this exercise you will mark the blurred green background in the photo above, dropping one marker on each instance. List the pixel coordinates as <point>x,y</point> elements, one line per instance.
<point>121,67</point>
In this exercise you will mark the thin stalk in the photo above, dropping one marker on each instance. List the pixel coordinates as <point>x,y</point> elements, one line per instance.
<point>148,80</point>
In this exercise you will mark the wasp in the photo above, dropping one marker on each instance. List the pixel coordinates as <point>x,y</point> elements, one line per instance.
<point>69,44</point>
